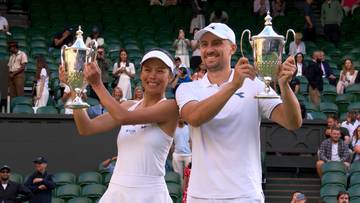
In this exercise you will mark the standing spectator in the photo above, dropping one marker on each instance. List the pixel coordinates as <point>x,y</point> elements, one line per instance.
<point>40,182</point>
<point>314,75</point>
<point>325,67</point>
<point>104,64</point>
<point>138,93</point>
<point>347,76</point>
<point>9,190</point>
<point>42,82</point>
<point>355,144</point>
<point>124,71</point>
<point>17,62</point>
<point>333,149</point>
<point>261,7</point>
<point>219,16</point>
<point>331,17</point>
<point>278,7</point>
<point>198,18</point>
<point>300,65</point>
<point>333,121</point>
<point>195,60</point>
<point>95,35</point>
<point>187,172</point>
<point>65,37</point>
<point>351,123</point>
<point>297,46</point>
<point>4,25</point>
<point>109,164</point>
<point>349,5</point>
<point>182,152</point>
<point>310,21</point>
<point>343,197</point>
<point>182,46</point>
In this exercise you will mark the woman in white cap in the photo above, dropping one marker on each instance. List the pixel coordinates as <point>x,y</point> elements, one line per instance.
<point>146,135</point>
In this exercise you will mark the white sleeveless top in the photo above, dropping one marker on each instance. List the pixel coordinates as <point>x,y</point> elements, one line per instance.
<point>142,153</point>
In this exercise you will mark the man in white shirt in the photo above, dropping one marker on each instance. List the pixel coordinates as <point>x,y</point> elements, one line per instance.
<point>297,46</point>
<point>351,123</point>
<point>224,119</point>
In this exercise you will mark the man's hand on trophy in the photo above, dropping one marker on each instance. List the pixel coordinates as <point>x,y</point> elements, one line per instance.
<point>243,70</point>
<point>92,74</point>
<point>286,71</point>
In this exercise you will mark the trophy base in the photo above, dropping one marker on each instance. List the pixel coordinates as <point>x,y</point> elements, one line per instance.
<point>264,95</point>
<point>77,103</point>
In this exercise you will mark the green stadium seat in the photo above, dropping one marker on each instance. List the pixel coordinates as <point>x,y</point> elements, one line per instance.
<point>333,166</point>
<point>354,90</point>
<point>174,191</point>
<point>17,178</point>
<point>355,167</point>
<point>330,200</point>
<point>93,191</point>
<point>331,190</point>
<point>20,108</point>
<point>300,98</point>
<point>92,101</point>
<point>68,191</point>
<point>57,200</point>
<point>343,101</point>
<point>47,110</point>
<point>355,179</point>
<point>64,178</point>
<point>328,108</point>
<point>107,178</point>
<point>89,178</point>
<point>354,191</point>
<point>80,200</point>
<point>172,177</point>
<point>318,115</point>
<point>355,106</point>
<point>336,178</point>
<point>310,107</point>
<point>21,100</point>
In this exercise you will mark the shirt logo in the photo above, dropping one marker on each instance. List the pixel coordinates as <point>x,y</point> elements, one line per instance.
<point>240,94</point>
<point>212,27</point>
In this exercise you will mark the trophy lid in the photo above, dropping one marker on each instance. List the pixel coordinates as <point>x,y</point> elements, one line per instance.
<point>268,31</point>
<point>79,42</point>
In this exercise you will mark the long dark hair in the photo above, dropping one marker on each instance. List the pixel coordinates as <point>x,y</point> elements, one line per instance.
<point>40,64</point>
<point>295,57</point>
<point>127,57</point>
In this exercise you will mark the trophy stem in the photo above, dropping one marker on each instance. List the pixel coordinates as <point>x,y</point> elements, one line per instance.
<point>78,103</point>
<point>266,94</point>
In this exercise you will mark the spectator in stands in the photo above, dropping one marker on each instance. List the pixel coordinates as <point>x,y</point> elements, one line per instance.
<point>355,144</point>
<point>178,64</point>
<point>63,38</point>
<point>156,3</point>
<point>333,149</point>
<point>42,82</point>
<point>195,60</point>
<point>182,46</point>
<point>278,7</point>
<point>347,76</point>
<point>10,191</point>
<point>343,197</point>
<point>349,6</point>
<point>95,35</point>
<point>199,72</point>
<point>295,84</point>
<point>40,182</point>
<point>261,7</point>
<point>300,65</point>
<point>219,16</point>
<point>104,63</point>
<point>180,77</point>
<point>351,123</point>
<point>314,75</point>
<point>138,93</point>
<point>124,71</point>
<point>297,46</point>
<point>310,21</point>
<point>327,72</point>
<point>331,18</point>
<point>118,95</point>
<point>4,25</point>
<point>182,152</point>
<point>198,18</point>
<point>298,197</point>
<point>333,121</point>
<point>17,62</point>
<point>187,172</point>
<point>109,164</point>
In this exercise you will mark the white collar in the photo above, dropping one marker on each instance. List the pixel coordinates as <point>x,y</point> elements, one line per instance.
<point>205,82</point>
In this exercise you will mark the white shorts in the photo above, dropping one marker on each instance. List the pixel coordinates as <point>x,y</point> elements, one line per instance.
<point>120,194</point>
<point>190,199</point>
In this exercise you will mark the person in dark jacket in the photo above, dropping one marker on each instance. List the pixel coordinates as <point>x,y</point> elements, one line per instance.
<point>10,190</point>
<point>314,74</point>
<point>40,182</point>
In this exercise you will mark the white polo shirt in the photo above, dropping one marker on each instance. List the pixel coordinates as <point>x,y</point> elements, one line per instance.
<point>226,160</point>
<point>16,60</point>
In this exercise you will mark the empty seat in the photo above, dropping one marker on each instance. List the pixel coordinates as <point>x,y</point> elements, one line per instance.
<point>354,191</point>
<point>333,166</point>
<point>23,109</point>
<point>328,108</point>
<point>334,178</point>
<point>355,179</point>
<point>355,167</point>
<point>57,200</point>
<point>89,178</point>
<point>93,191</point>
<point>80,200</point>
<point>318,115</point>
<point>47,110</point>
<point>68,191</point>
<point>331,190</point>
<point>64,178</point>
<point>21,100</point>
<point>355,106</point>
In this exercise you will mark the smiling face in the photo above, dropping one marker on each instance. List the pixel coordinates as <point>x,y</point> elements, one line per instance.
<point>123,56</point>
<point>216,52</point>
<point>4,175</point>
<point>155,76</point>
<point>348,64</point>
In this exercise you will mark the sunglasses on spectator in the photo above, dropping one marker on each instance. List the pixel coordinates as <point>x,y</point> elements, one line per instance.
<point>4,171</point>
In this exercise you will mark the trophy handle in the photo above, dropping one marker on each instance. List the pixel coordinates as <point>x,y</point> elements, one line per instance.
<point>93,51</point>
<point>241,40</point>
<point>287,35</point>
<point>62,55</point>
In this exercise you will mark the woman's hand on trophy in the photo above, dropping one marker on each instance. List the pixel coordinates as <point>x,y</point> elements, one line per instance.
<point>243,70</point>
<point>286,71</point>
<point>92,74</point>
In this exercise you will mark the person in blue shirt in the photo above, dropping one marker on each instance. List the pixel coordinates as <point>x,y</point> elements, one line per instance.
<point>180,77</point>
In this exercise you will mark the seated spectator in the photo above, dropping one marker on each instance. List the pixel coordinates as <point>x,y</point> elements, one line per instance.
<point>10,191</point>
<point>65,37</point>
<point>349,6</point>
<point>351,122</point>
<point>178,65</point>
<point>187,172</point>
<point>327,72</point>
<point>297,46</point>
<point>278,7</point>
<point>343,197</point>
<point>347,76</point>
<point>300,65</point>
<point>195,59</point>
<point>331,18</point>
<point>180,77</point>
<point>355,144</point>
<point>333,121</point>
<point>219,16</point>
<point>333,149</point>
<point>124,71</point>
<point>261,7</point>
<point>4,25</point>
<point>182,46</point>
<point>314,75</point>
<point>42,82</point>
<point>118,95</point>
<point>40,182</point>
<point>95,35</point>
<point>109,164</point>
<point>199,72</point>
<point>298,197</point>
<point>138,93</point>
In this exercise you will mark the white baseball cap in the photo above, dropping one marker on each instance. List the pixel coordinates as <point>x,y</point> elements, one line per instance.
<point>159,54</point>
<point>219,29</point>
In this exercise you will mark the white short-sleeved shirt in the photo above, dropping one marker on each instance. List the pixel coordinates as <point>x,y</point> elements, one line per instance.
<point>335,152</point>
<point>130,68</point>
<point>3,23</point>
<point>350,126</point>
<point>226,150</point>
<point>16,60</point>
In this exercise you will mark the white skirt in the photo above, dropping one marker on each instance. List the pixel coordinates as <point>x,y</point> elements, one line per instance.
<point>121,194</point>
<point>43,98</point>
<point>125,85</point>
